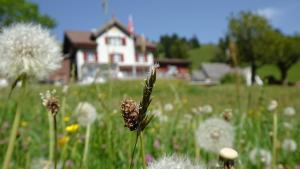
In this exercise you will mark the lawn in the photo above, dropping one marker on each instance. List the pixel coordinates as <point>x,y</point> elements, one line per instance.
<point>172,131</point>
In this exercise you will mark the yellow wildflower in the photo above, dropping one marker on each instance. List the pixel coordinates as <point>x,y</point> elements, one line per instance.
<point>63,141</point>
<point>66,119</point>
<point>72,128</point>
<point>24,123</point>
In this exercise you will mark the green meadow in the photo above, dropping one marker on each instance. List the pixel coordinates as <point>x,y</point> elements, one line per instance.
<point>171,132</point>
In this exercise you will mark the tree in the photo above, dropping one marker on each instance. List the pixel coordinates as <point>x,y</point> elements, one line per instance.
<point>285,52</point>
<point>22,11</point>
<point>194,42</point>
<point>223,55</point>
<point>248,29</point>
<point>176,47</point>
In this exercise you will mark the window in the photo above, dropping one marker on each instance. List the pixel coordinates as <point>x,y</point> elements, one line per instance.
<point>116,57</point>
<point>90,56</point>
<point>115,41</point>
<point>141,58</point>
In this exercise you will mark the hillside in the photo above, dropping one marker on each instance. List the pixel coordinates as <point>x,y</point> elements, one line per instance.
<point>205,53</point>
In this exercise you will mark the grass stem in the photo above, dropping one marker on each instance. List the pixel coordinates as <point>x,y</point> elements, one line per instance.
<point>12,140</point>
<point>142,151</point>
<point>55,141</point>
<point>274,146</point>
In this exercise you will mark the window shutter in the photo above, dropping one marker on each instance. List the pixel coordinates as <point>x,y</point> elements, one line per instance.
<point>146,58</point>
<point>85,56</point>
<point>106,40</point>
<point>124,41</point>
<point>96,56</point>
<point>111,58</point>
<point>122,57</point>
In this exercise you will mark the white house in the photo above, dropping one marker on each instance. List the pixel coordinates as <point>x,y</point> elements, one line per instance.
<point>111,50</point>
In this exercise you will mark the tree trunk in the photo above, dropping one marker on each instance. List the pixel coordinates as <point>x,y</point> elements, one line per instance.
<point>253,72</point>
<point>284,74</point>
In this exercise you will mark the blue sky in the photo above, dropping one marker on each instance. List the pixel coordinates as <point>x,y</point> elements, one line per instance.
<point>205,19</point>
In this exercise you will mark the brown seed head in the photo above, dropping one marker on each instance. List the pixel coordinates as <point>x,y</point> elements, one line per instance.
<point>50,102</point>
<point>227,115</point>
<point>53,105</point>
<point>130,113</point>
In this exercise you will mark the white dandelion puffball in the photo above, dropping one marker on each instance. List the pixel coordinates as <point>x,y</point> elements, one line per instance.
<point>41,163</point>
<point>86,113</point>
<point>29,49</point>
<point>272,105</point>
<point>206,108</point>
<point>288,125</point>
<point>289,111</point>
<point>214,134</point>
<point>260,156</point>
<point>174,162</point>
<point>289,145</point>
<point>168,107</point>
<point>161,117</point>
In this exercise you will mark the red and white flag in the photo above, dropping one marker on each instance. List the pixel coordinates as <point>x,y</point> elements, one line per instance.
<point>130,25</point>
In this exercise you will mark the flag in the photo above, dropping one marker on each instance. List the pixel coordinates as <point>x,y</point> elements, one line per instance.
<point>104,4</point>
<point>130,25</point>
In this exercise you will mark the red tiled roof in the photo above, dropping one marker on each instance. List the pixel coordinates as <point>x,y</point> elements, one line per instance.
<point>85,39</point>
<point>81,39</point>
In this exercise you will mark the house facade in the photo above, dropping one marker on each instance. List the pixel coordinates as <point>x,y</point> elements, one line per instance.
<point>111,51</point>
<point>173,68</point>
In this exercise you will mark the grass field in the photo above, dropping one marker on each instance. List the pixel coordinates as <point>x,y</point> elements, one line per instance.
<point>111,143</point>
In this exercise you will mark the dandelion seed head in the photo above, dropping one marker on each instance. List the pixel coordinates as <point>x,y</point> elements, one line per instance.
<point>86,113</point>
<point>50,101</point>
<point>161,117</point>
<point>289,111</point>
<point>42,163</point>
<point>206,109</point>
<point>168,107</point>
<point>227,114</point>
<point>174,162</point>
<point>213,134</point>
<point>289,145</point>
<point>65,89</point>
<point>29,49</point>
<point>260,156</point>
<point>288,125</point>
<point>272,105</point>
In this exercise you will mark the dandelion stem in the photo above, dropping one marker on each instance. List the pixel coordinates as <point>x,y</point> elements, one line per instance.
<point>15,126</point>
<point>142,150</point>
<point>274,148</point>
<point>86,145</point>
<point>51,137</point>
<point>12,140</point>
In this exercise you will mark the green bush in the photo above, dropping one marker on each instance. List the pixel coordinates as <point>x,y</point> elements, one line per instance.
<point>231,78</point>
